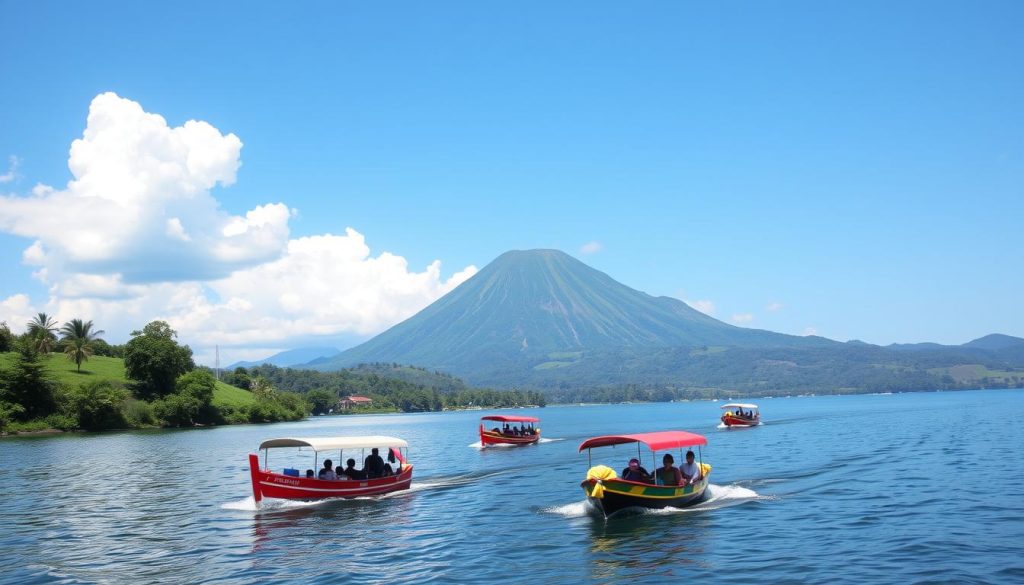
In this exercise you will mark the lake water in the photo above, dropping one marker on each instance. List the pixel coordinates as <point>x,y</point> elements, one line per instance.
<point>898,488</point>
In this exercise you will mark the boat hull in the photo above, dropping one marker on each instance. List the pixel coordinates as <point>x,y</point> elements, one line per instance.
<point>267,484</point>
<point>731,420</point>
<point>492,438</point>
<point>619,495</point>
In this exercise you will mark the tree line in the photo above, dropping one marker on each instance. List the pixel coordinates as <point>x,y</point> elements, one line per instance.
<point>163,387</point>
<point>429,392</point>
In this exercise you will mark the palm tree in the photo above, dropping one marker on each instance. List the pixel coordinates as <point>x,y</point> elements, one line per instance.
<point>41,329</point>
<point>78,337</point>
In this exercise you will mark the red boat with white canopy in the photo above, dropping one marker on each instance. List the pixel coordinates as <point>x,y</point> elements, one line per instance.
<point>525,434</point>
<point>738,414</point>
<point>608,493</point>
<point>290,484</point>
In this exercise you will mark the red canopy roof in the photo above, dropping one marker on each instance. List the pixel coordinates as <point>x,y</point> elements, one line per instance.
<point>654,441</point>
<point>500,418</point>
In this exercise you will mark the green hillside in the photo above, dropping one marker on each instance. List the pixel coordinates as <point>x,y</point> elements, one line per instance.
<point>110,369</point>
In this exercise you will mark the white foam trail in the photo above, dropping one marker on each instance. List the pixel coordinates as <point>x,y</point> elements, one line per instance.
<point>573,510</point>
<point>718,497</point>
<point>549,439</point>
<point>478,445</point>
<point>249,504</point>
<point>246,505</point>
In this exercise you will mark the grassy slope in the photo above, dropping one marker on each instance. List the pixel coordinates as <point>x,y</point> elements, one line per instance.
<point>112,369</point>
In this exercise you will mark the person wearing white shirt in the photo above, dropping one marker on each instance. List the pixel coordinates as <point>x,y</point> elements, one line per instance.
<point>690,470</point>
<point>327,472</point>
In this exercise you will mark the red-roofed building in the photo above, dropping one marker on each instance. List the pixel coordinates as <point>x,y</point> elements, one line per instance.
<point>353,401</point>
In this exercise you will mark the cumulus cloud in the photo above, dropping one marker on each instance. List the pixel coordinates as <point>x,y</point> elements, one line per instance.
<point>137,235</point>
<point>810,331</point>
<point>591,248</point>
<point>741,318</point>
<point>704,306</point>
<point>774,307</point>
<point>16,310</point>
<point>140,204</point>
<point>12,169</point>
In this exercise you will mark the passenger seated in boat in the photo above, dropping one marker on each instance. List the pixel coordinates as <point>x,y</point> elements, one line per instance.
<point>310,474</point>
<point>388,470</point>
<point>690,470</point>
<point>339,473</point>
<point>373,465</point>
<point>328,471</point>
<point>668,474</point>
<point>635,472</point>
<point>351,472</point>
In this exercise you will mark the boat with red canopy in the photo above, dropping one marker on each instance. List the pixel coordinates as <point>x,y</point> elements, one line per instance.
<point>608,493</point>
<point>375,478</point>
<point>509,434</point>
<point>739,414</point>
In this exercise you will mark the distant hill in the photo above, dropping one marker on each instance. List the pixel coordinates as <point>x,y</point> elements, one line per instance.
<point>292,357</point>
<point>996,342</point>
<point>528,308</point>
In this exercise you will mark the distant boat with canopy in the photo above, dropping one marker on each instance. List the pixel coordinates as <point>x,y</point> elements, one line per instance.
<point>741,414</point>
<point>509,433</point>
<point>607,493</point>
<point>377,477</point>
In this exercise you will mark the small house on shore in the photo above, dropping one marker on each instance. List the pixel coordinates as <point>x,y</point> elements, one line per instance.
<point>350,402</point>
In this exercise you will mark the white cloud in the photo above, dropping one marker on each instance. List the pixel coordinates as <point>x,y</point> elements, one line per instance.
<point>13,163</point>
<point>139,203</point>
<point>740,318</point>
<point>704,306</point>
<point>810,331</point>
<point>138,236</point>
<point>591,248</point>
<point>16,310</point>
<point>774,307</point>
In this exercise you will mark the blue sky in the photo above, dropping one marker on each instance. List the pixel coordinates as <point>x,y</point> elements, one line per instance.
<point>852,169</point>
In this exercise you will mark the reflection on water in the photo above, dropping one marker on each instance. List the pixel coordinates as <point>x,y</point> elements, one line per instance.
<point>658,546</point>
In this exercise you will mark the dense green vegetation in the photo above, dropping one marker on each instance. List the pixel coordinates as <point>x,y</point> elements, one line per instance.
<point>156,385</point>
<point>391,386</point>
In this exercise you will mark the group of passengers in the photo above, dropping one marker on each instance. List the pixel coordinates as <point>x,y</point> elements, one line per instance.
<point>688,473</point>
<point>750,414</point>
<point>373,467</point>
<point>521,431</point>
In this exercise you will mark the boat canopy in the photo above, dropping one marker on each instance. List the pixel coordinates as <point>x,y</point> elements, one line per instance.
<point>511,419</point>
<point>336,443</point>
<point>654,441</point>
<point>739,405</point>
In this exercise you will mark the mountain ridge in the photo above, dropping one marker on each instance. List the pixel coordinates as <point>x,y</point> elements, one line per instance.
<point>539,302</point>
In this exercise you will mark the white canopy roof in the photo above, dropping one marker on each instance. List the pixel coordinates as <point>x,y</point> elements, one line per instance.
<point>739,405</point>
<point>336,443</point>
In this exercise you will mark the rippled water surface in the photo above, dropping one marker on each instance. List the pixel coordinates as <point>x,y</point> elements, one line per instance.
<point>898,488</point>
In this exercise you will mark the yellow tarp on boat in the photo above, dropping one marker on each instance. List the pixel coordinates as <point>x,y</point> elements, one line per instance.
<point>600,473</point>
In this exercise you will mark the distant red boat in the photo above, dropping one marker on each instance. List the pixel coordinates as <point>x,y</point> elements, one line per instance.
<point>292,485</point>
<point>740,415</point>
<point>508,434</point>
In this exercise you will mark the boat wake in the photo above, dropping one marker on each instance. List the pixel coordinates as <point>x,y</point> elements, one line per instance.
<point>719,496</point>
<point>478,446</point>
<point>249,505</point>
